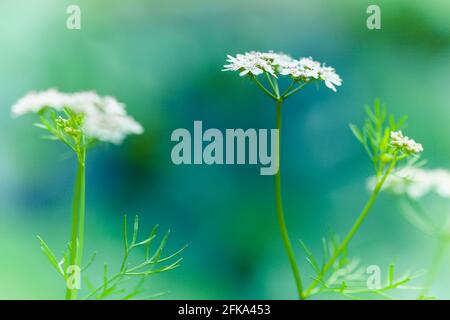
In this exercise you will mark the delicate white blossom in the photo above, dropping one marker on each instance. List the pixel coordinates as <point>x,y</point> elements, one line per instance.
<point>104,118</point>
<point>280,64</point>
<point>331,78</point>
<point>305,68</point>
<point>36,101</point>
<point>416,182</point>
<point>404,143</point>
<point>250,62</point>
<point>278,60</point>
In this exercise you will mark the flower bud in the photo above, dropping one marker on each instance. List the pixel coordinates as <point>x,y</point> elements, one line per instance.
<point>386,157</point>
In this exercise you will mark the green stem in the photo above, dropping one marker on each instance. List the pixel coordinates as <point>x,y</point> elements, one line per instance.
<point>78,211</point>
<point>286,95</point>
<point>103,286</point>
<point>82,208</point>
<point>280,215</point>
<point>288,88</point>
<point>272,84</point>
<point>261,86</point>
<point>352,231</point>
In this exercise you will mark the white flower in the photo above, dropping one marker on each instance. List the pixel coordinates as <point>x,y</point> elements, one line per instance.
<point>397,139</point>
<point>109,122</point>
<point>405,143</point>
<point>331,78</point>
<point>310,68</point>
<point>278,60</point>
<point>414,147</point>
<point>416,182</point>
<point>36,101</point>
<point>280,64</point>
<point>305,68</point>
<point>250,62</point>
<point>105,118</point>
<point>110,127</point>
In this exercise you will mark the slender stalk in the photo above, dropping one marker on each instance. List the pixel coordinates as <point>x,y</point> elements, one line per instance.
<point>353,230</point>
<point>288,88</point>
<point>103,286</point>
<point>273,84</point>
<point>261,86</point>
<point>82,208</point>
<point>290,93</point>
<point>77,231</point>
<point>280,215</point>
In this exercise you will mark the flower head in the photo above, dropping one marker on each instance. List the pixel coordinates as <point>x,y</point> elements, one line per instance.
<point>404,143</point>
<point>279,64</point>
<point>101,118</point>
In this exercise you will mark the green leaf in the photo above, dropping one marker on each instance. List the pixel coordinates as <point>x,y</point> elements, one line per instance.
<point>144,242</point>
<point>376,107</point>
<point>50,256</point>
<point>325,251</point>
<point>152,236</point>
<point>90,262</point>
<point>158,252</point>
<point>105,277</point>
<point>401,122</point>
<point>310,257</point>
<point>391,274</point>
<point>88,283</point>
<point>176,253</point>
<point>128,272</point>
<point>357,133</point>
<point>169,267</point>
<point>40,126</point>
<point>152,296</point>
<point>384,141</point>
<point>135,230</point>
<point>125,237</point>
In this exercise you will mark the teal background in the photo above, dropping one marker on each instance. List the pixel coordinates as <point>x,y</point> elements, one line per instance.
<point>163,59</point>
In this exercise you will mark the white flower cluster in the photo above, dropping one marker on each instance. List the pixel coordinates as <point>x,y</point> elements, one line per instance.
<point>416,182</point>
<point>405,143</point>
<point>105,118</point>
<point>276,64</point>
<point>250,62</point>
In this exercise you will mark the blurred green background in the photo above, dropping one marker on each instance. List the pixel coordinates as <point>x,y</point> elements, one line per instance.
<point>163,59</point>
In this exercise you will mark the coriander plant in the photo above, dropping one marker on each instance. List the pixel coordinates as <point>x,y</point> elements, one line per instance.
<point>380,136</point>
<point>273,67</point>
<point>80,120</point>
<point>386,147</point>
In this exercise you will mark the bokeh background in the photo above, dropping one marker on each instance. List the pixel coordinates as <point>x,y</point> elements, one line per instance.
<point>163,59</point>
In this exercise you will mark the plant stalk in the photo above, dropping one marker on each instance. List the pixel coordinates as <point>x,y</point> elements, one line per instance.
<point>280,215</point>
<point>353,230</point>
<point>78,211</point>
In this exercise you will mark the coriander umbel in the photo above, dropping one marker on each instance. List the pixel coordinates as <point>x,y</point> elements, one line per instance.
<point>80,120</point>
<point>271,67</point>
